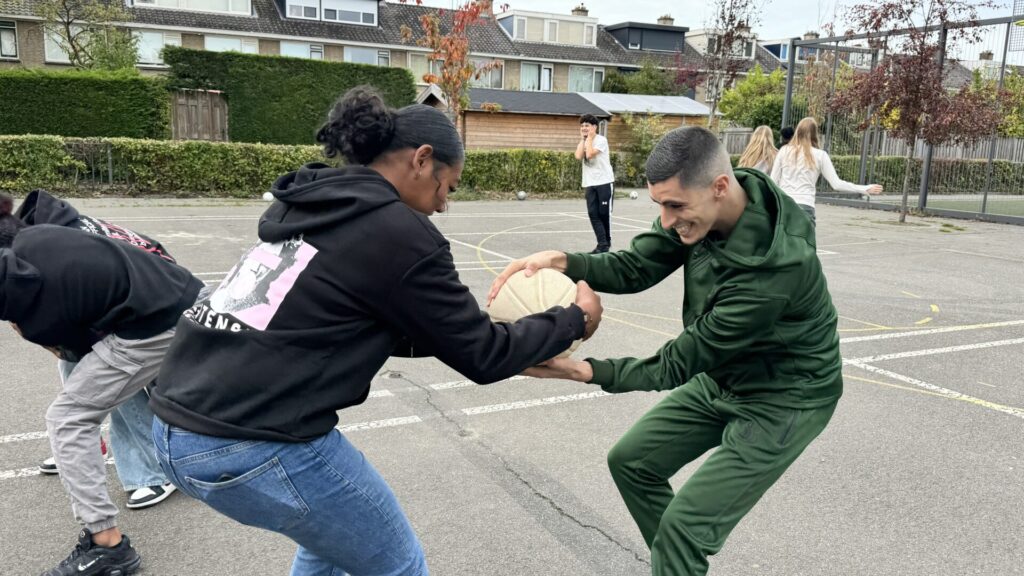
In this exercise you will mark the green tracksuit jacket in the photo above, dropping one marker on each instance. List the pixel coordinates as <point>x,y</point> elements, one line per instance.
<point>756,308</point>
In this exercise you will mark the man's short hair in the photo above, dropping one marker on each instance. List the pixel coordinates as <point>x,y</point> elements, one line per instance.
<point>692,154</point>
<point>590,119</point>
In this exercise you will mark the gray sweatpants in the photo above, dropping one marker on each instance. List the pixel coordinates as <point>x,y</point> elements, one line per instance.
<point>113,372</point>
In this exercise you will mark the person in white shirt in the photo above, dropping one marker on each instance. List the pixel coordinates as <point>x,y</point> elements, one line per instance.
<point>760,152</point>
<point>800,163</point>
<point>598,179</point>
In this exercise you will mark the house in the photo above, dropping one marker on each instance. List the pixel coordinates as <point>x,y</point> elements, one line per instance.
<point>536,51</point>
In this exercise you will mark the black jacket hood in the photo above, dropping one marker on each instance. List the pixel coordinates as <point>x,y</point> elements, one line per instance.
<point>40,207</point>
<point>318,196</point>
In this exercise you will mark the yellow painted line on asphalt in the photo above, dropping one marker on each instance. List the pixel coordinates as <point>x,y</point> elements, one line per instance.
<point>923,321</point>
<point>639,327</point>
<point>654,316</point>
<point>909,294</point>
<point>891,385</point>
<point>866,323</point>
<point>935,308</point>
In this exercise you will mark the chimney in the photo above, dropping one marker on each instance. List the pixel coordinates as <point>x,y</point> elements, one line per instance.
<point>811,36</point>
<point>667,20</point>
<point>986,55</point>
<point>580,10</point>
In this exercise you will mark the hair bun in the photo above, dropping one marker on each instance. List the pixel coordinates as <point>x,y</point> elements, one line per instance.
<point>359,127</point>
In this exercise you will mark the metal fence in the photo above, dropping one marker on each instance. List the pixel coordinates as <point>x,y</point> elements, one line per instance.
<point>984,180</point>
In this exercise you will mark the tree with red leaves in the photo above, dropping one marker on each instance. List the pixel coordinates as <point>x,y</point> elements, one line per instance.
<point>905,93</point>
<point>446,34</point>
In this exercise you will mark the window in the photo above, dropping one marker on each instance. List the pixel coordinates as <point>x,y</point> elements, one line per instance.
<point>227,6</point>
<point>8,39</point>
<point>489,79</point>
<point>419,68</point>
<point>748,49</point>
<point>306,9</point>
<point>151,44</point>
<point>712,44</point>
<point>520,28</point>
<point>232,44</point>
<point>784,52</point>
<point>535,77</point>
<point>551,30</point>
<point>302,50</point>
<point>348,11</point>
<point>56,46</point>
<point>588,34</point>
<point>585,79</point>
<point>371,56</point>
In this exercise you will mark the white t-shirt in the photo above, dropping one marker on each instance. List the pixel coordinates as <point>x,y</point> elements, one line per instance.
<point>598,170</point>
<point>795,178</point>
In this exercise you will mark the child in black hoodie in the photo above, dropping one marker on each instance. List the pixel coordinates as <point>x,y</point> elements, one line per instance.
<point>348,268</point>
<point>113,307</point>
<point>130,423</point>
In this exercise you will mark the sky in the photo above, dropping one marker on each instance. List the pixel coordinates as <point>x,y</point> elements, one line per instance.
<point>779,18</point>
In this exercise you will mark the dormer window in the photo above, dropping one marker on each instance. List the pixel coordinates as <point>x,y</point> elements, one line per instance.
<point>742,47</point>
<point>347,11</point>
<point>520,28</point>
<point>240,7</point>
<point>588,34</point>
<point>307,9</point>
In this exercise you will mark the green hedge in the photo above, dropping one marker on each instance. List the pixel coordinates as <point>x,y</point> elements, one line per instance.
<point>83,103</point>
<point>194,168</point>
<point>28,162</point>
<point>276,99</point>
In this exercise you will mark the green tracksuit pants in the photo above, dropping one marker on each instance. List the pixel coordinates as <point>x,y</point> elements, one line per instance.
<point>756,443</point>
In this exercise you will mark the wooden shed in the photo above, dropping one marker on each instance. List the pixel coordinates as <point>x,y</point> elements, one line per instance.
<point>675,111</point>
<point>502,119</point>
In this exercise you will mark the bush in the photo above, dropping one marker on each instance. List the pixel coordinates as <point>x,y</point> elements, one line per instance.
<point>277,99</point>
<point>28,162</point>
<point>83,103</point>
<point>218,169</point>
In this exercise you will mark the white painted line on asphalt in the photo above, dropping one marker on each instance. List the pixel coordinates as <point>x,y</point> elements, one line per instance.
<point>33,471</point>
<point>525,232</point>
<point>380,394</point>
<point>532,403</point>
<point>932,351</point>
<point>931,331</point>
<point>23,437</point>
<point>982,255</point>
<point>630,226</point>
<point>826,252</point>
<point>373,425</point>
<point>175,218</point>
<point>485,250</point>
<point>939,390</point>
<point>448,215</point>
<point>853,243</point>
<point>468,383</point>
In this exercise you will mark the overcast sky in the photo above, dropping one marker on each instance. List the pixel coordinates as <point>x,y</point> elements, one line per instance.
<point>779,18</point>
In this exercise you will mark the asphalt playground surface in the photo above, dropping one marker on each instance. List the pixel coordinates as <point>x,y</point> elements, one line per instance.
<point>920,473</point>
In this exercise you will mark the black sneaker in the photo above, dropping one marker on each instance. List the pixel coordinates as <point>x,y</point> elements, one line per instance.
<point>89,559</point>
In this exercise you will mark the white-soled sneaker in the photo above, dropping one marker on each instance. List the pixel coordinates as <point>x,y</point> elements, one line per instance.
<point>150,495</point>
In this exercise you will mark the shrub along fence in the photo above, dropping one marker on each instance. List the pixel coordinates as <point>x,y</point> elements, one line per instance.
<point>83,103</point>
<point>220,169</point>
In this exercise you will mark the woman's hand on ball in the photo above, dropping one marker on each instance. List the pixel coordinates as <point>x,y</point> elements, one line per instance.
<point>590,302</point>
<point>532,263</point>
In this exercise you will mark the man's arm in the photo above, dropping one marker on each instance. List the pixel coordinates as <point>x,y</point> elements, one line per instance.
<point>580,148</point>
<point>714,339</point>
<point>590,150</point>
<point>651,257</point>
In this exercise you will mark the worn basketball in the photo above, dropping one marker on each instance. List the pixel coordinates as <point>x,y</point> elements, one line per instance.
<point>522,296</point>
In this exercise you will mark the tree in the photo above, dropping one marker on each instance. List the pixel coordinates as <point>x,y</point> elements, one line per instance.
<point>86,30</point>
<point>905,93</point>
<point>1012,125</point>
<point>615,83</point>
<point>645,131</point>
<point>723,59</point>
<point>650,80</point>
<point>446,34</point>
<point>686,76</point>
<point>757,99</point>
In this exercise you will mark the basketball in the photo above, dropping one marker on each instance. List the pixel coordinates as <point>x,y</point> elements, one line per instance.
<point>522,296</point>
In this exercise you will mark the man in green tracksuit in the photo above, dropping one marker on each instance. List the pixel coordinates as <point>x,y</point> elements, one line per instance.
<point>757,370</point>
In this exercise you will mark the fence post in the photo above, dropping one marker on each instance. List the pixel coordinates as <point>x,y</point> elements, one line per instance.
<point>992,146</point>
<point>787,105</point>
<point>865,139</point>
<point>831,93</point>
<point>926,168</point>
<point>110,164</point>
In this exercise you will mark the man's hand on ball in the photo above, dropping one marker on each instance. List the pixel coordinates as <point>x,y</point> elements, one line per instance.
<point>532,263</point>
<point>563,369</point>
<point>590,302</point>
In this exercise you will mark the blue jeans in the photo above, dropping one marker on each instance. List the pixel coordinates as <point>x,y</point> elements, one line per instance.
<point>322,494</point>
<point>131,439</point>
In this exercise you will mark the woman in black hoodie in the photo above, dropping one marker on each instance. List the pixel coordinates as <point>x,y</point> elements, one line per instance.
<point>349,271</point>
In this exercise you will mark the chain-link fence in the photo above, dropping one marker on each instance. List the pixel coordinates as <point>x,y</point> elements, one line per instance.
<point>982,180</point>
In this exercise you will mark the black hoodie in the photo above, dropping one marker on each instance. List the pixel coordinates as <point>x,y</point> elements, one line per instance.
<point>39,207</point>
<point>301,325</point>
<point>67,289</point>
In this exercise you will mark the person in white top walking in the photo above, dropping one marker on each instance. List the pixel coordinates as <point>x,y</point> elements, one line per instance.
<point>598,179</point>
<point>760,152</point>
<point>800,163</point>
